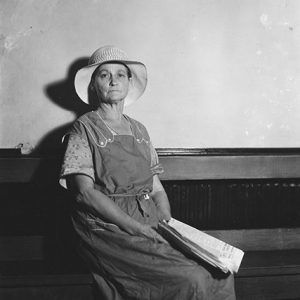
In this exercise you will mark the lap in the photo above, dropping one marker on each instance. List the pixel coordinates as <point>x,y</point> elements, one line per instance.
<point>141,266</point>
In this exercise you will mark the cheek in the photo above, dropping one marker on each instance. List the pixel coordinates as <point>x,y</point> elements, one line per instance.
<point>126,86</point>
<point>101,87</point>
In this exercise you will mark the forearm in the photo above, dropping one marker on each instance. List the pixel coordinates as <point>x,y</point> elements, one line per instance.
<point>101,205</point>
<point>160,199</point>
<point>105,208</point>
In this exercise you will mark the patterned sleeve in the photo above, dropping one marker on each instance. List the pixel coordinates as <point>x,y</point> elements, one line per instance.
<point>156,167</point>
<point>77,159</point>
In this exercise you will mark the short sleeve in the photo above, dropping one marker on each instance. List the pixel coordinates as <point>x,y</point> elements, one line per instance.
<point>77,159</point>
<point>156,167</point>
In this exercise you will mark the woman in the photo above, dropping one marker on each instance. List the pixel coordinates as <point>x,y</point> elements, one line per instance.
<point>112,169</point>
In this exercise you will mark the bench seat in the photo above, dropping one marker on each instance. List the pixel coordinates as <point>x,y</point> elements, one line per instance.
<point>269,275</point>
<point>37,280</point>
<point>268,263</point>
<point>259,268</point>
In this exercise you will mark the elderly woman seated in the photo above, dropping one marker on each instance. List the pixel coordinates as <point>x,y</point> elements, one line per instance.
<point>112,170</point>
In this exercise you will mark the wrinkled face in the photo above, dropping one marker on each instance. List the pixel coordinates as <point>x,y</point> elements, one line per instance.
<point>111,82</point>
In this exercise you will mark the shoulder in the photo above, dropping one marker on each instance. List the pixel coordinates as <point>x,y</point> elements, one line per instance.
<point>86,120</point>
<point>89,117</point>
<point>80,125</point>
<point>141,127</point>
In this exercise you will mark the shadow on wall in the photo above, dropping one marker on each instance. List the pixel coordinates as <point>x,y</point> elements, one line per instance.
<point>51,201</point>
<point>63,94</point>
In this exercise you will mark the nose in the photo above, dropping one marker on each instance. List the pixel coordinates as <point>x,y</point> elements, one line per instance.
<point>113,80</point>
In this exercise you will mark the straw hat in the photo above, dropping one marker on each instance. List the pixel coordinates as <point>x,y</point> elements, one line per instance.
<point>108,54</point>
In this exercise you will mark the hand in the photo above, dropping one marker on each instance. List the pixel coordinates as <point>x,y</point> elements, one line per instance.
<point>163,214</point>
<point>148,232</point>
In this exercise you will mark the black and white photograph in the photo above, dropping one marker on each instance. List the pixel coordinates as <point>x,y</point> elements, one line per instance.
<point>149,149</point>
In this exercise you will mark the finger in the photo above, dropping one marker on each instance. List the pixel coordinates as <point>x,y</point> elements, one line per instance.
<point>160,239</point>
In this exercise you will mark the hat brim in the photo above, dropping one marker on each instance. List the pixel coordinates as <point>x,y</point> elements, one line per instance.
<point>137,84</point>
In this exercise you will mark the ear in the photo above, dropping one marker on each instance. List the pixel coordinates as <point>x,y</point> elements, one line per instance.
<point>131,82</point>
<point>91,86</point>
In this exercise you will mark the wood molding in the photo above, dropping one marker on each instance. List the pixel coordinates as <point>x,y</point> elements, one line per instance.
<point>182,167</point>
<point>19,248</point>
<point>27,169</point>
<point>226,151</point>
<point>230,167</point>
<point>260,239</point>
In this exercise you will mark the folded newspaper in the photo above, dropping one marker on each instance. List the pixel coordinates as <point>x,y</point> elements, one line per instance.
<point>202,245</point>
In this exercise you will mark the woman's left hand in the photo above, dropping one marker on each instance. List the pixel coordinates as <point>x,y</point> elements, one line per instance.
<point>160,199</point>
<point>163,214</point>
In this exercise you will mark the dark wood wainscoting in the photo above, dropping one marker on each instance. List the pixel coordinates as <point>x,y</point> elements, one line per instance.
<point>236,204</point>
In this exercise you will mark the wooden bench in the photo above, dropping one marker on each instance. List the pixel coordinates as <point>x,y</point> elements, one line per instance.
<point>271,265</point>
<point>216,190</point>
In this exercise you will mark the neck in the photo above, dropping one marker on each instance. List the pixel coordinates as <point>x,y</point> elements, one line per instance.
<point>111,111</point>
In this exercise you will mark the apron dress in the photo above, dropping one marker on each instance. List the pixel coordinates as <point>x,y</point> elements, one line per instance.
<point>125,266</point>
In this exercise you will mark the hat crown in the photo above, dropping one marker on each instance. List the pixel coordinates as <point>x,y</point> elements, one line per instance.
<point>107,53</point>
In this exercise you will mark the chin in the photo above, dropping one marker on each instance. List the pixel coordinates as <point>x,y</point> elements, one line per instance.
<point>113,100</point>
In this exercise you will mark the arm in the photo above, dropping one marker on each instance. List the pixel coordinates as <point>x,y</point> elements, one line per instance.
<point>83,188</point>
<point>160,199</point>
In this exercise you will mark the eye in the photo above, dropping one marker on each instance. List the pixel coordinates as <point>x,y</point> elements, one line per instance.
<point>103,75</point>
<point>121,75</point>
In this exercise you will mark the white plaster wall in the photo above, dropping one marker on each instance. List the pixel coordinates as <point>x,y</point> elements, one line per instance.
<point>222,73</point>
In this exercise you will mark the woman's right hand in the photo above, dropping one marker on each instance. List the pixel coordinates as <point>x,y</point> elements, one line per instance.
<point>148,232</point>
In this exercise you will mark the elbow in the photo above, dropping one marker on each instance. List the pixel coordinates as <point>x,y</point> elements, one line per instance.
<point>80,188</point>
<point>83,195</point>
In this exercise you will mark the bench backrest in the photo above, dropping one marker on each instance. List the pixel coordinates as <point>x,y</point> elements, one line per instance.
<point>178,166</point>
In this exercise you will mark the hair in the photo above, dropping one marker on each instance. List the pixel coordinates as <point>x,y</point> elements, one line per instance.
<point>129,74</point>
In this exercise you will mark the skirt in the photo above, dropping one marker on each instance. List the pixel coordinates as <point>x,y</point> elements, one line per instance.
<point>133,267</point>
